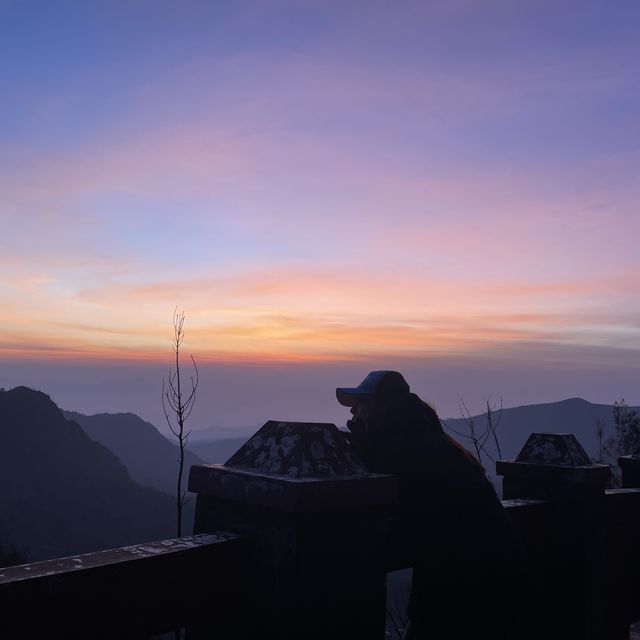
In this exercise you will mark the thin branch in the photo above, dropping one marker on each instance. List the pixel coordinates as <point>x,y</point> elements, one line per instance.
<point>458,433</point>
<point>469,420</point>
<point>491,426</point>
<point>179,405</point>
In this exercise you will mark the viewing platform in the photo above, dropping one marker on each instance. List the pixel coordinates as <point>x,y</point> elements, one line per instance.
<point>294,539</point>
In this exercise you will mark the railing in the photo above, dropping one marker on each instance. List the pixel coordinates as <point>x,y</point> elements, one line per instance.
<point>131,592</point>
<point>309,561</point>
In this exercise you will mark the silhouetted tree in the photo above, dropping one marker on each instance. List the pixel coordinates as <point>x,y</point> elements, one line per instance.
<point>624,440</point>
<point>492,417</point>
<point>626,430</point>
<point>177,405</point>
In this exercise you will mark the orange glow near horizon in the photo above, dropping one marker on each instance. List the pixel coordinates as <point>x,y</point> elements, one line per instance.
<point>267,334</point>
<point>321,314</point>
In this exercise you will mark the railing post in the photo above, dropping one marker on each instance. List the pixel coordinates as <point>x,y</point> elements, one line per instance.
<point>317,522</point>
<point>570,562</point>
<point>624,512</point>
<point>630,467</point>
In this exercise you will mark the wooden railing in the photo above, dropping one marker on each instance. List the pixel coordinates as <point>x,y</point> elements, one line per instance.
<point>131,592</point>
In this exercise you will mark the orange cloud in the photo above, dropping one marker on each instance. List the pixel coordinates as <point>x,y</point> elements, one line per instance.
<point>417,258</point>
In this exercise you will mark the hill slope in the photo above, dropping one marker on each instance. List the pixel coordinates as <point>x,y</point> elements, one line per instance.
<point>217,451</point>
<point>149,457</point>
<point>222,433</point>
<point>63,493</point>
<point>574,415</point>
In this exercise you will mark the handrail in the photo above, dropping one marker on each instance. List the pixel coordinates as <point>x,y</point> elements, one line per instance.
<point>133,591</point>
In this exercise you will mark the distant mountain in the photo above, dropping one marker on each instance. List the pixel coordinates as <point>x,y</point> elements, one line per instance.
<point>222,433</point>
<point>63,493</point>
<point>149,457</point>
<point>217,451</point>
<point>575,416</point>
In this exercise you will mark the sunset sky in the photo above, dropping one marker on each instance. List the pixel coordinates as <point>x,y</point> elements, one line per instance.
<point>449,187</point>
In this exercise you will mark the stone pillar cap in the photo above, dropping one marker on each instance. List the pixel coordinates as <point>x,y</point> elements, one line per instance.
<point>558,449</point>
<point>555,456</point>
<point>295,467</point>
<point>298,450</point>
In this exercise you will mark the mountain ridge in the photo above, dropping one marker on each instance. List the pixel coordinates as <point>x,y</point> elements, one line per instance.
<point>61,492</point>
<point>149,456</point>
<point>571,415</point>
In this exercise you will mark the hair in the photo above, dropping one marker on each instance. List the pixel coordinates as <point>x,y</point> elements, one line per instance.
<point>435,423</point>
<point>411,415</point>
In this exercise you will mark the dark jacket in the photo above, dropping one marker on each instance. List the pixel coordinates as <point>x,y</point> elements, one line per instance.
<point>465,552</point>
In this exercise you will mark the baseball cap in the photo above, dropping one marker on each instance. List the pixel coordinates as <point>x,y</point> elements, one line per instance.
<point>377,383</point>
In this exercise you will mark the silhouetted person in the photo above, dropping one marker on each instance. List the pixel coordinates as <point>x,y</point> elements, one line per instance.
<point>466,565</point>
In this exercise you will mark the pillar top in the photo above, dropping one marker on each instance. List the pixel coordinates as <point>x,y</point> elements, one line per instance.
<point>557,449</point>
<point>295,467</point>
<point>298,450</point>
<point>554,459</point>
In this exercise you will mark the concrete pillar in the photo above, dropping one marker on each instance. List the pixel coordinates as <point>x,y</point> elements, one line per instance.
<point>568,553</point>
<point>317,521</point>
<point>624,536</point>
<point>630,467</point>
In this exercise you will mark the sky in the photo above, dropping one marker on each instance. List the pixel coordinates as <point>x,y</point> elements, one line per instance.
<point>447,188</point>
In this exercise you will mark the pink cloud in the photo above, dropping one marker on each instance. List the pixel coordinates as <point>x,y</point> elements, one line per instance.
<point>419,255</point>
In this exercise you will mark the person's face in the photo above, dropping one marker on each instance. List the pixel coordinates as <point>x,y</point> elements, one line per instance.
<point>359,409</point>
<point>362,412</point>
